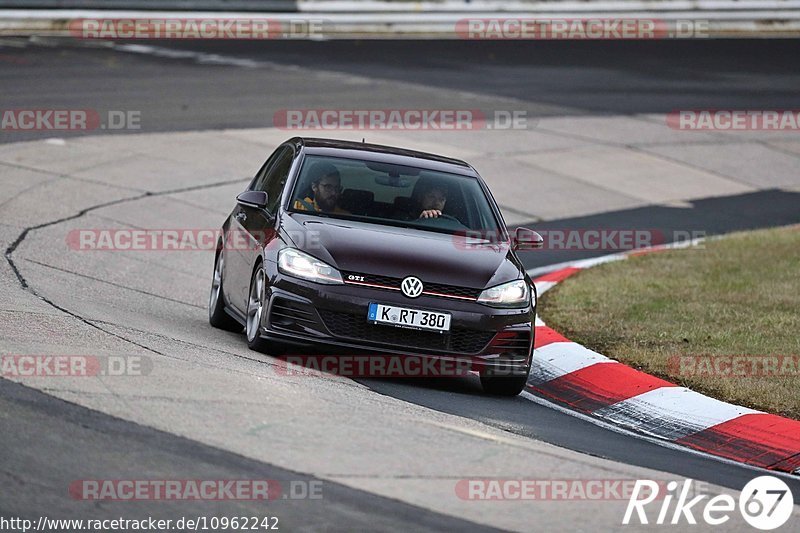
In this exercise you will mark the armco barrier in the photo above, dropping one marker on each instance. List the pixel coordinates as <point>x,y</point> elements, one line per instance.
<point>191,5</point>
<point>407,19</point>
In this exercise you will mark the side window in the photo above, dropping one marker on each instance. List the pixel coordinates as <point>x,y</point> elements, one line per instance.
<point>258,181</point>
<point>273,177</point>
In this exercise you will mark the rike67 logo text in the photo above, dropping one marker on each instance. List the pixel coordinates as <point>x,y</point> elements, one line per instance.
<point>765,503</point>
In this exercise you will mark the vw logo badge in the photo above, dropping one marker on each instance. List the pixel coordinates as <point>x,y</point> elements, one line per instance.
<point>411,287</point>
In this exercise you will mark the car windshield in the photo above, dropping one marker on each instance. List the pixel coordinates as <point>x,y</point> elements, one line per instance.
<point>387,194</point>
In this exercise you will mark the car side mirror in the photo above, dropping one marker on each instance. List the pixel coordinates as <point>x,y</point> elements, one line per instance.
<point>257,199</point>
<point>526,239</point>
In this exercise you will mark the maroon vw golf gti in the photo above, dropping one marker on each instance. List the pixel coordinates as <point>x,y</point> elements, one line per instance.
<point>345,247</point>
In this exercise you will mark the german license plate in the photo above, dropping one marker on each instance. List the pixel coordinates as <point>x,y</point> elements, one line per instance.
<point>408,318</point>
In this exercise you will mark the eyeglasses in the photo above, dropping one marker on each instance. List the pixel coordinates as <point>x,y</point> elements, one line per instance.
<point>330,186</point>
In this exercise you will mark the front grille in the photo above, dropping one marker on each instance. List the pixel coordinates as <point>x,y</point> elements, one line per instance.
<point>452,290</point>
<point>459,340</point>
<point>438,288</point>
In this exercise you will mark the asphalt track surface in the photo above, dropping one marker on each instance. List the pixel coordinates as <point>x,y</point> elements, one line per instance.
<point>540,78</point>
<point>88,437</point>
<point>552,78</point>
<point>555,79</point>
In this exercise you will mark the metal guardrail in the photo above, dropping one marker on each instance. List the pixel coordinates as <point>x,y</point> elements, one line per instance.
<point>415,6</point>
<point>161,5</point>
<point>399,19</point>
<point>540,6</point>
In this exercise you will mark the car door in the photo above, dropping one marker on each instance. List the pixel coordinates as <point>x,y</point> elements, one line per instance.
<point>237,265</point>
<point>258,224</point>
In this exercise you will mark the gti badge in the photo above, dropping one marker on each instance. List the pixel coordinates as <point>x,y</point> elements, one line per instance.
<point>411,287</point>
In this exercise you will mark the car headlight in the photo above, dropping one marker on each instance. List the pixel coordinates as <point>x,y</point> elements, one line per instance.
<point>301,265</point>
<point>512,294</point>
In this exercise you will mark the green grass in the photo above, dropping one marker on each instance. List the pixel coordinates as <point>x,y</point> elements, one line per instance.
<point>737,296</point>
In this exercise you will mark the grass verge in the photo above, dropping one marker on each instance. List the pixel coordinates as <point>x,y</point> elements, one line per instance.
<point>722,319</point>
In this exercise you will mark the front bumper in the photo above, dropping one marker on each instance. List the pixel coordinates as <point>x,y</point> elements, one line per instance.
<point>320,318</point>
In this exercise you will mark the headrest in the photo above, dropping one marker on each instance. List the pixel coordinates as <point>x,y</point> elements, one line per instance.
<point>357,201</point>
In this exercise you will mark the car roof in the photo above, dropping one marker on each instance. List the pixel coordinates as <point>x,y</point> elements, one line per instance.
<point>382,153</point>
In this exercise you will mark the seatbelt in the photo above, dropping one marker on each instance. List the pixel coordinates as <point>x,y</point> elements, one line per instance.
<point>308,206</point>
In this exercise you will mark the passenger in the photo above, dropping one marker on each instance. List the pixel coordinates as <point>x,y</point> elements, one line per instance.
<point>326,186</point>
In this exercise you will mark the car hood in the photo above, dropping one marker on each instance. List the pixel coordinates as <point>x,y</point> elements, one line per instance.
<point>362,248</point>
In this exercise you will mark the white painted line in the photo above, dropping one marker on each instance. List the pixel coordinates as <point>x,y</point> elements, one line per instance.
<point>594,261</point>
<point>559,358</point>
<point>538,271</point>
<point>671,412</point>
<point>653,440</point>
<point>200,57</point>
<point>571,356</point>
<point>544,286</point>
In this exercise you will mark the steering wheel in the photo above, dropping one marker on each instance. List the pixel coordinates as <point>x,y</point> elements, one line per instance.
<point>451,217</point>
<point>443,215</point>
<point>441,218</point>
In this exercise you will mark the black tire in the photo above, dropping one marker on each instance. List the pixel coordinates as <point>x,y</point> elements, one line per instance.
<point>252,330</point>
<point>504,385</point>
<point>217,316</point>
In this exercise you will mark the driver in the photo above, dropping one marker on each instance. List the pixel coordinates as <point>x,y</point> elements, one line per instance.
<point>428,199</point>
<point>326,186</point>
